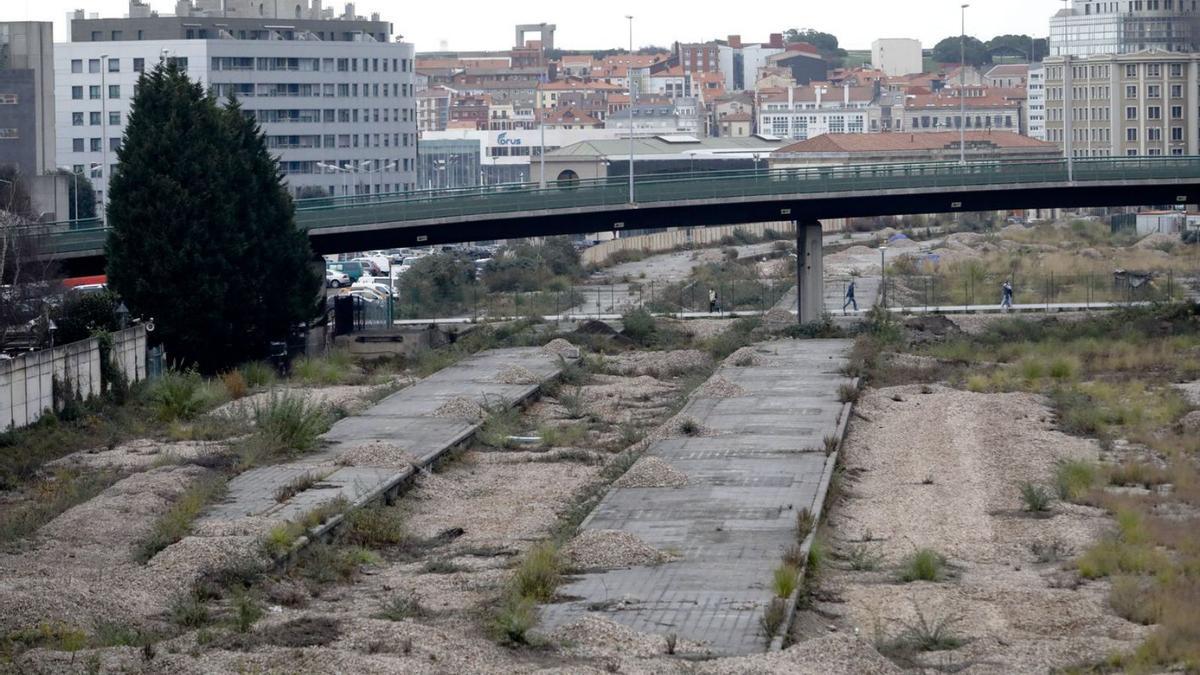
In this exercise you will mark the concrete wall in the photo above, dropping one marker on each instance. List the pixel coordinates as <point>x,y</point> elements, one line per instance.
<point>27,382</point>
<point>699,236</point>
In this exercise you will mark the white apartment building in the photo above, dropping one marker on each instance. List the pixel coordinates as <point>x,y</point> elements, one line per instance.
<point>800,113</point>
<point>1035,109</point>
<point>340,114</point>
<point>897,56</point>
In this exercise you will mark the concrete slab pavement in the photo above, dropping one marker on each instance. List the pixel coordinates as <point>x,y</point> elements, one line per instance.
<point>731,524</point>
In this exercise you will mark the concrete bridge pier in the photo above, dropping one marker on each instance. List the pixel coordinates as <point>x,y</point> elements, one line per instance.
<point>810,272</point>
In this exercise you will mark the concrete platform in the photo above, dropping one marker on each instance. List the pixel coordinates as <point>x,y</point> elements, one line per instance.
<point>731,524</point>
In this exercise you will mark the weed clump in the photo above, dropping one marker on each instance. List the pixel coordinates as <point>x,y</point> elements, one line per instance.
<point>1074,479</point>
<point>1036,498</point>
<point>176,523</point>
<point>287,424</point>
<point>923,565</point>
<point>784,580</point>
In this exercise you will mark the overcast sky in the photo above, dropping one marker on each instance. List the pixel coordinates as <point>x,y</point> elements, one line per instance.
<point>486,24</point>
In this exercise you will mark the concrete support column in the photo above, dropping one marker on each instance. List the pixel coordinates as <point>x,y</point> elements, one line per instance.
<point>810,272</point>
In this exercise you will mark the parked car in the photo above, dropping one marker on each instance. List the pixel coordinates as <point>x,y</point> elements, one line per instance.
<point>354,270</point>
<point>379,284</point>
<point>336,278</point>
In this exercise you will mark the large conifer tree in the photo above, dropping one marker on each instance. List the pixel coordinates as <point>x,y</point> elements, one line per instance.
<point>203,237</point>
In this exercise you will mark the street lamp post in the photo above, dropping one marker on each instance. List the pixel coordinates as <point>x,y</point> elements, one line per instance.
<point>104,137</point>
<point>632,105</point>
<point>962,89</point>
<point>883,273</point>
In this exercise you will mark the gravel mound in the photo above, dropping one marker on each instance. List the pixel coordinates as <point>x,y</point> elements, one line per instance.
<point>376,453</point>
<point>826,654</point>
<point>141,454</point>
<point>611,549</point>
<point>462,407</point>
<point>779,318</point>
<point>746,356</point>
<point>1156,240</point>
<point>597,637</point>
<point>652,472</point>
<point>719,387</point>
<point>516,375</point>
<point>561,347</point>
<point>658,364</point>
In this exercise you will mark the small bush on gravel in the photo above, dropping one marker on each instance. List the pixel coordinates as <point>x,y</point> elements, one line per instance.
<point>500,424</point>
<point>246,611</point>
<point>295,486</point>
<point>639,326</point>
<point>923,565</point>
<point>1050,551</point>
<point>335,368</point>
<point>562,436</point>
<point>188,610</point>
<point>375,527</point>
<point>539,573</point>
<point>288,423</point>
<point>257,374</point>
<point>689,427</point>
<point>794,556</point>
<point>235,384</point>
<point>515,618</point>
<point>574,373</point>
<point>772,618</point>
<point>114,634</point>
<point>573,403</point>
<point>862,558</point>
<point>401,606</point>
<point>176,523</point>
<point>785,580</point>
<point>1134,599</point>
<point>817,554</point>
<point>1074,479</point>
<point>1036,498</point>
<point>928,633</point>
<point>847,393</point>
<point>805,522</point>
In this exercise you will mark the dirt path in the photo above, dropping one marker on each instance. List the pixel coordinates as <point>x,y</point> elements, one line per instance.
<point>931,467</point>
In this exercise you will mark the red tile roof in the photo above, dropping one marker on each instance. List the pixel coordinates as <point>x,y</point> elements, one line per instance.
<point>934,140</point>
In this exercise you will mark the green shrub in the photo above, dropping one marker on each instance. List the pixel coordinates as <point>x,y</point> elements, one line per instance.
<point>375,526</point>
<point>538,574</point>
<point>501,423</point>
<point>862,558</point>
<point>784,581</point>
<point>188,610</point>
<point>177,396</point>
<point>258,374</point>
<point>923,565</point>
<point>246,611</point>
<point>639,326</point>
<point>516,616</point>
<point>281,538</point>
<point>1035,497</point>
<point>817,553</point>
<point>400,607</point>
<point>805,522</point>
<point>288,423</point>
<point>1113,555</point>
<point>773,616</point>
<point>1134,599</point>
<point>1074,479</point>
<point>847,393</point>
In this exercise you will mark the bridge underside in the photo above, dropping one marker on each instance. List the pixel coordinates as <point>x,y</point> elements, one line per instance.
<point>727,211</point>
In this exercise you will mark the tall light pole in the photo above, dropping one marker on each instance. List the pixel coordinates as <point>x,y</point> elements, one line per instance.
<point>962,89</point>
<point>632,104</point>
<point>104,137</point>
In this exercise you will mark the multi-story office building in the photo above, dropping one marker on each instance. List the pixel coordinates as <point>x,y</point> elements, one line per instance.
<point>1035,110</point>
<point>27,121</point>
<point>937,112</point>
<point>897,56</point>
<point>335,98</point>
<point>1124,105</point>
<point>739,61</point>
<point>804,112</point>
<point>1088,27</point>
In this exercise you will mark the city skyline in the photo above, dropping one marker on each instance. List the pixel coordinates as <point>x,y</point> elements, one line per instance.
<point>490,25</point>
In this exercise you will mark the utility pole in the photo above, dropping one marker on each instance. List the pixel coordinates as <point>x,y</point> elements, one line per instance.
<point>962,89</point>
<point>632,103</point>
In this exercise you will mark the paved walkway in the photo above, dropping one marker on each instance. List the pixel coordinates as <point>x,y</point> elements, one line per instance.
<point>404,419</point>
<point>735,518</point>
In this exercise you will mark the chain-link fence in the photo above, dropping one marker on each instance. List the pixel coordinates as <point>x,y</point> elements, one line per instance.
<point>932,291</point>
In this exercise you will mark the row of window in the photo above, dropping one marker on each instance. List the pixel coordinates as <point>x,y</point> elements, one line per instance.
<point>330,115</point>
<point>341,90</point>
<point>1084,72</point>
<point>94,119</point>
<point>94,144</point>
<point>312,65</point>
<point>308,141</point>
<point>114,64</point>
<point>94,91</point>
<point>956,121</point>
<point>324,167</point>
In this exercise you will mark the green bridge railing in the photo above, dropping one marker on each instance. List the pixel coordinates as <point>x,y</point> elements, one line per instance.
<point>482,201</point>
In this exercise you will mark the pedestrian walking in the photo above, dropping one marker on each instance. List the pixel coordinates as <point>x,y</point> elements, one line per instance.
<point>1006,295</point>
<point>850,298</point>
<point>712,301</point>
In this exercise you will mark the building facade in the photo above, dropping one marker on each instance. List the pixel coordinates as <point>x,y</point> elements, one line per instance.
<point>1124,105</point>
<point>27,119</point>
<point>1035,111</point>
<point>1087,27</point>
<point>339,114</point>
<point>934,112</point>
<point>799,113</point>
<point>897,56</point>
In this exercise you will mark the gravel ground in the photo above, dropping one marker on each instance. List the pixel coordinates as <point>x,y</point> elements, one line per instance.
<point>652,472</point>
<point>826,655</point>
<point>746,356</point>
<point>719,387</point>
<point>596,637</point>
<point>561,347</point>
<point>140,454</point>
<point>342,396</point>
<point>658,364</point>
<point>611,549</point>
<point>976,324</point>
<point>700,329</point>
<point>942,470</point>
<point>1191,391</point>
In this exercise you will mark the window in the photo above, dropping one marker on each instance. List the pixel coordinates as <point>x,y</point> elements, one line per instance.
<point>1131,113</point>
<point>94,92</point>
<point>1177,91</point>
<point>76,65</point>
<point>1131,134</point>
<point>1153,70</point>
<point>1132,152</point>
<point>93,65</point>
<point>94,119</point>
<point>1176,133</point>
<point>1130,91</point>
<point>77,93</point>
<point>1177,151</point>
<point>1153,91</point>
<point>114,65</point>
<point>114,144</point>
<point>139,65</point>
<point>77,145</point>
<point>1176,112</point>
<point>1176,70</point>
<point>1154,134</point>
<point>114,119</point>
<point>1131,70</point>
<point>114,91</point>
<point>77,119</point>
<point>95,144</point>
